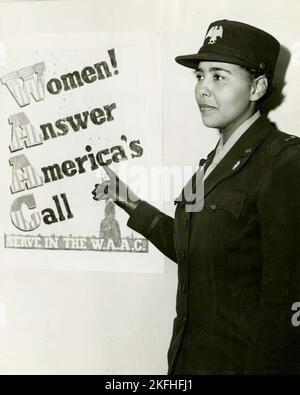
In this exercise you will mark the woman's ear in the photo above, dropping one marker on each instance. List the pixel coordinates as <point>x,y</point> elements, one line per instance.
<point>259,88</point>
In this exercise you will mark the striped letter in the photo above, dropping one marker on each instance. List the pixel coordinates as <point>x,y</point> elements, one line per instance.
<point>23,133</point>
<point>17,215</point>
<point>23,174</point>
<point>25,82</point>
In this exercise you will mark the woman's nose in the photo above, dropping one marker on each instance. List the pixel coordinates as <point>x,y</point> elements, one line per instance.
<point>203,88</point>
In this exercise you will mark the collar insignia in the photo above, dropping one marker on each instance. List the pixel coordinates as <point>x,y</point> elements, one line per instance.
<point>236,165</point>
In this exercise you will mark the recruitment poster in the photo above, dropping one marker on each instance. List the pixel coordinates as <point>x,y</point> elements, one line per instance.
<point>69,104</point>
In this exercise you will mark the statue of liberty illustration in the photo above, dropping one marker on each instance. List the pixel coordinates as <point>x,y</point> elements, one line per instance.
<point>109,227</point>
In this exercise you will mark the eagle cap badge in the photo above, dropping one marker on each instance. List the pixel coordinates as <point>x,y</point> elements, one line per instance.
<point>214,33</point>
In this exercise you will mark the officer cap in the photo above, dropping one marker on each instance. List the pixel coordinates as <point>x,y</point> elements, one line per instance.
<point>238,43</point>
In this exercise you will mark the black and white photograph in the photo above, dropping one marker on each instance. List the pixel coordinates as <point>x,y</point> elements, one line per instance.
<point>150,190</point>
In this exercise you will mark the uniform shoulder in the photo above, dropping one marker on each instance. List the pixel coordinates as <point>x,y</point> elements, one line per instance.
<point>279,141</point>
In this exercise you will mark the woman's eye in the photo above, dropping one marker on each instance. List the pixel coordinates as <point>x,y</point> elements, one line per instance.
<point>199,77</point>
<point>218,77</point>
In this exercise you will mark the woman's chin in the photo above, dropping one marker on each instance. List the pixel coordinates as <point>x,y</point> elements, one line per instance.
<point>210,123</point>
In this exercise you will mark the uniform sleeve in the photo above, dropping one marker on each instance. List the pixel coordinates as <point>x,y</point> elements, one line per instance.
<point>275,342</point>
<point>155,226</point>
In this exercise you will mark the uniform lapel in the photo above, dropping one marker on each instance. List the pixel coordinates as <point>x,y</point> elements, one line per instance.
<point>185,195</point>
<point>210,158</point>
<point>239,154</point>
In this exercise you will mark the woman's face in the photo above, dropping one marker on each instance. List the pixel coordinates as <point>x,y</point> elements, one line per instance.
<point>223,94</point>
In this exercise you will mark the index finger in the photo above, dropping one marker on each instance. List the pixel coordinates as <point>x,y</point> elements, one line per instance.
<point>111,174</point>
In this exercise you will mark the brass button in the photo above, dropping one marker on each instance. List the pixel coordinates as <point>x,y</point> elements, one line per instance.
<point>182,256</point>
<point>262,66</point>
<point>213,206</point>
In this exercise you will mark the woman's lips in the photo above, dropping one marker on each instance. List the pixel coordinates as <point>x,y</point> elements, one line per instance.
<point>206,108</point>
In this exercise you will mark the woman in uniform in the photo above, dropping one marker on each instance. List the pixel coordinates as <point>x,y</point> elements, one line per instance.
<point>238,252</point>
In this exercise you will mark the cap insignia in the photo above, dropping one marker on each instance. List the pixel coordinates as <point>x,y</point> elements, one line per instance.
<point>214,33</point>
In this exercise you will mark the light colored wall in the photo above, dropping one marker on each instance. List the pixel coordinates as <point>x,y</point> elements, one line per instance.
<point>60,322</point>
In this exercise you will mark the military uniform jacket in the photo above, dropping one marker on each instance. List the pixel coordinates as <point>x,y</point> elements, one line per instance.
<point>238,260</point>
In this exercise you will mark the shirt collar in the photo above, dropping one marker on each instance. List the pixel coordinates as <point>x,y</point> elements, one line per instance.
<point>238,132</point>
<point>223,149</point>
